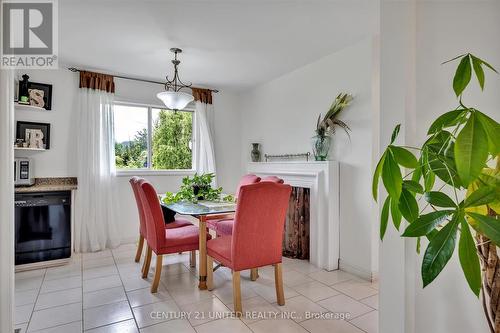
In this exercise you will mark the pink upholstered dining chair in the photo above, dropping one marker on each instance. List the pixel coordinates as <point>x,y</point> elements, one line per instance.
<point>272,179</point>
<point>225,227</point>
<point>228,223</point>
<point>257,236</point>
<point>134,183</point>
<point>163,240</point>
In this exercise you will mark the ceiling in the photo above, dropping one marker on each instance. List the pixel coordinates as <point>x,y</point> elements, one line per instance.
<point>232,44</point>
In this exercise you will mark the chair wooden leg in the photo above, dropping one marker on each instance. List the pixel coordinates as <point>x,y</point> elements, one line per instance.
<point>237,294</point>
<point>254,274</point>
<point>147,263</point>
<point>192,258</point>
<point>139,248</point>
<point>210,273</point>
<point>278,280</point>
<point>156,281</point>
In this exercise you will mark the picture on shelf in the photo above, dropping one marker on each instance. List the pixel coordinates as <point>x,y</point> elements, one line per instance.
<point>34,93</point>
<point>33,135</point>
<point>47,93</point>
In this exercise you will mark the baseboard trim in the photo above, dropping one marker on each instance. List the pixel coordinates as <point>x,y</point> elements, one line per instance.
<point>358,271</point>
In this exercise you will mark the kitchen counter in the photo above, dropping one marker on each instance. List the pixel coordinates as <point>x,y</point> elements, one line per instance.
<point>49,185</point>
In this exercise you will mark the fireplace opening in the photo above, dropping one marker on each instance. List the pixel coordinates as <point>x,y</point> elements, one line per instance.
<point>297,222</point>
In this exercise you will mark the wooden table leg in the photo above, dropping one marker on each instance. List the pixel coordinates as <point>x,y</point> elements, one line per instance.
<point>202,267</point>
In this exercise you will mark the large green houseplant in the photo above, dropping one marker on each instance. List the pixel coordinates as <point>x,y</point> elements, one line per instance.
<point>456,180</point>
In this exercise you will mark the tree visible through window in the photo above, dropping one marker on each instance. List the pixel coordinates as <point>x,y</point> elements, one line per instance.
<point>168,147</point>
<point>172,135</point>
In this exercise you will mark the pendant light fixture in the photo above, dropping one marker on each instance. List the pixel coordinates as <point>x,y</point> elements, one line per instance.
<point>172,97</point>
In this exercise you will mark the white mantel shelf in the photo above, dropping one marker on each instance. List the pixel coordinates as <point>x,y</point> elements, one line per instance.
<point>322,178</point>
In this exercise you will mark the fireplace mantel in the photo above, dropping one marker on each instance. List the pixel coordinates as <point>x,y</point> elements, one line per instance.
<point>322,178</point>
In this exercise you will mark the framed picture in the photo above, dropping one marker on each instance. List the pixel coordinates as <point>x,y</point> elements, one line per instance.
<point>47,93</point>
<point>35,135</point>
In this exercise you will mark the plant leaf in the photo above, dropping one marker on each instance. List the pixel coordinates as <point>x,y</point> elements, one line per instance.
<point>395,133</point>
<point>462,75</point>
<point>391,177</point>
<point>384,217</point>
<point>439,252</point>
<point>447,61</point>
<point>395,214</point>
<point>481,196</point>
<point>408,206</point>
<point>441,158</point>
<point>426,171</point>
<point>445,120</point>
<point>478,69</point>
<point>429,180</point>
<point>417,173</point>
<point>488,226</point>
<point>413,186</point>
<point>492,129</point>
<point>404,157</point>
<point>467,253</point>
<point>471,150</point>
<point>486,64</point>
<point>426,223</point>
<point>376,176</point>
<point>439,199</point>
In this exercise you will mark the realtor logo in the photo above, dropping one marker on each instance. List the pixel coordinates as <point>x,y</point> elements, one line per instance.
<point>29,34</point>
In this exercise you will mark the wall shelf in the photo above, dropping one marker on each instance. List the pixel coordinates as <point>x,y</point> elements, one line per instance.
<point>26,107</point>
<point>30,149</point>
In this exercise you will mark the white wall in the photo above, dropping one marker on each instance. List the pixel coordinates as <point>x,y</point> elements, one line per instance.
<point>396,89</point>
<point>59,161</point>
<point>55,162</point>
<point>281,115</point>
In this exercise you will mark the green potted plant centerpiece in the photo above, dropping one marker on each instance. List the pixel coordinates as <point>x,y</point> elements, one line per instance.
<point>455,176</point>
<point>197,187</point>
<point>326,126</point>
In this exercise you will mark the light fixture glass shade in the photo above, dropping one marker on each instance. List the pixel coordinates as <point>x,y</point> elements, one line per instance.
<point>175,100</point>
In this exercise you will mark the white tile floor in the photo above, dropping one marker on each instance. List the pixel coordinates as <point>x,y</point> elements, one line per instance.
<point>103,292</point>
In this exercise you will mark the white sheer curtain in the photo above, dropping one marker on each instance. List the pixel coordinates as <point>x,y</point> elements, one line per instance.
<point>6,200</point>
<point>205,153</point>
<point>95,201</point>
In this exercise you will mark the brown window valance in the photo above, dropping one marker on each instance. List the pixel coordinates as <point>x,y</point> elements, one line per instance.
<point>202,95</point>
<point>97,81</point>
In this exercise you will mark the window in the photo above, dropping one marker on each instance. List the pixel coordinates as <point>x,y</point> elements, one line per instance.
<point>152,138</point>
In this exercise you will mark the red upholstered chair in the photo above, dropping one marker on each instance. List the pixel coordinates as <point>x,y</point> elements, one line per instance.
<point>160,239</point>
<point>214,224</point>
<point>273,179</point>
<point>257,236</point>
<point>134,182</point>
<point>225,227</point>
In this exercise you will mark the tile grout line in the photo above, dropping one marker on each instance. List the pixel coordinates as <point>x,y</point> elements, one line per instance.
<point>193,272</point>
<point>215,296</point>
<point>52,327</point>
<point>50,308</point>
<point>57,306</point>
<point>81,276</point>
<point>350,321</point>
<point>36,299</point>
<point>342,293</point>
<point>123,286</point>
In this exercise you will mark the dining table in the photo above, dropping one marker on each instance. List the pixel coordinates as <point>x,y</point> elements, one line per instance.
<point>203,211</point>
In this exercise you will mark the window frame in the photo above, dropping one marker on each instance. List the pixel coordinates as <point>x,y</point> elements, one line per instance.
<point>160,172</point>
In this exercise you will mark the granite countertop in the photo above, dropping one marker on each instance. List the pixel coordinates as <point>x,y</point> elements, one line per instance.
<point>49,185</point>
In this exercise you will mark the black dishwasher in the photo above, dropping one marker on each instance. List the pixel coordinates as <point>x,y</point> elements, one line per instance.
<point>43,226</point>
